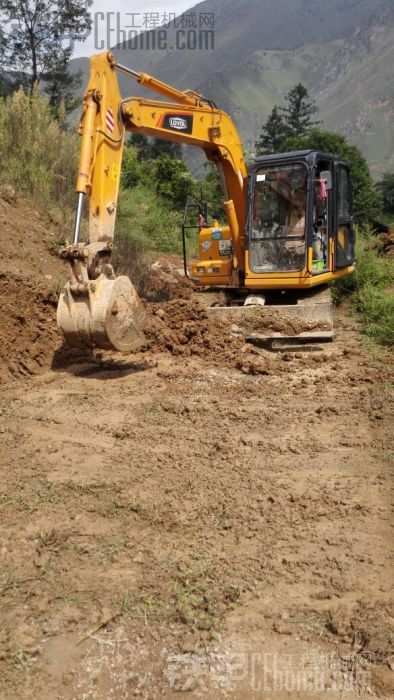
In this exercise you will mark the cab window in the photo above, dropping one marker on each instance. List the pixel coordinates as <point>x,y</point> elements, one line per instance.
<point>277,240</point>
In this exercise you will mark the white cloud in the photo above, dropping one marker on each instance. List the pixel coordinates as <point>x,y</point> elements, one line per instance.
<point>106,27</point>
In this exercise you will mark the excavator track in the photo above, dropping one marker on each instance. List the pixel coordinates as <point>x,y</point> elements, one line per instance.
<point>254,317</point>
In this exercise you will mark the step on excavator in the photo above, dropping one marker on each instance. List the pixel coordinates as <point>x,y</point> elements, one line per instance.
<point>289,229</point>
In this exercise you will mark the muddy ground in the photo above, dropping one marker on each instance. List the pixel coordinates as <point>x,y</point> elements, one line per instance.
<point>198,519</point>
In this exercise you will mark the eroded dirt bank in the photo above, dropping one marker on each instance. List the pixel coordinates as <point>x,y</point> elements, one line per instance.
<point>176,522</point>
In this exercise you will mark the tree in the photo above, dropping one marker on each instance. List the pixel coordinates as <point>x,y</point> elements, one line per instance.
<point>6,87</point>
<point>366,200</point>
<point>273,133</point>
<point>38,47</point>
<point>162,147</point>
<point>212,192</point>
<point>386,188</point>
<point>297,115</point>
<point>173,180</point>
<point>142,145</point>
<point>131,168</point>
<point>150,149</point>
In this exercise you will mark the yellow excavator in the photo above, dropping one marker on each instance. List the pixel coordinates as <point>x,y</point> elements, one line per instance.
<point>289,229</point>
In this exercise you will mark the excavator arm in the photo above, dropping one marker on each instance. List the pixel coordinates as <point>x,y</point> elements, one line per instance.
<point>96,309</point>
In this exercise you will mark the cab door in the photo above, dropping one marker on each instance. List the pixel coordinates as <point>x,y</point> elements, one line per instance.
<point>344,248</point>
<point>319,262</point>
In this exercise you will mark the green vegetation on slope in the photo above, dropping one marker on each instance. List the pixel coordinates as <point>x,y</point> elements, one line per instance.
<point>36,155</point>
<point>370,290</point>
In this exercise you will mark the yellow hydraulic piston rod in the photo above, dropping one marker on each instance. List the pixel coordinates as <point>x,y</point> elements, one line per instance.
<point>88,134</point>
<point>186,98</point>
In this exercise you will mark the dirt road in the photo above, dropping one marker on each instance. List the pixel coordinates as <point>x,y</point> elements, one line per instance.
<point>195,520</point>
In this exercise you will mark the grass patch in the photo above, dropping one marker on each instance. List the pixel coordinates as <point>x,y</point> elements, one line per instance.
<point>147,218</point>
<point>37,156</point>
<point>146,224</point>
<point>370,291</point>
<point>142,608</point>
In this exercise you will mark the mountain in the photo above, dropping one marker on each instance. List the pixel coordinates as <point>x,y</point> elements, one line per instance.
<point>342,50</point>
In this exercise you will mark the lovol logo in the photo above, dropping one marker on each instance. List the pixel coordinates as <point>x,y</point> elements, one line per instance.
<point>178,123</point>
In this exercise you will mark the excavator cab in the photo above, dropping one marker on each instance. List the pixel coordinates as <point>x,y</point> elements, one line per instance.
<point>299,232</point>
<point>299,236</point>
<point>300,223</point>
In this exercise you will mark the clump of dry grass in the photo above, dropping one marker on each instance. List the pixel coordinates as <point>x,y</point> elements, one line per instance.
<point>37,155</point>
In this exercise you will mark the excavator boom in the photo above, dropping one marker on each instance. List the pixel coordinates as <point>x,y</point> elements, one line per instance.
<point>96,309</point>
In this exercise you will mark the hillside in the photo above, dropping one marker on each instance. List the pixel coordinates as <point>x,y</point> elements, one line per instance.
<point>342,51</point>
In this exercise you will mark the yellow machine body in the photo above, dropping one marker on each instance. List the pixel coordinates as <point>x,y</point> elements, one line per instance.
<point>89,311</point>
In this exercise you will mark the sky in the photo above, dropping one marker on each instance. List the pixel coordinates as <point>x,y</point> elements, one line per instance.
<point>143,11</point>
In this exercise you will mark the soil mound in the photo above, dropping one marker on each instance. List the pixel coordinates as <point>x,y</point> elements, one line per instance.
<point>266,319</point>
<point>28,324</point>
<point>183,327</point>
<point>29,278</point>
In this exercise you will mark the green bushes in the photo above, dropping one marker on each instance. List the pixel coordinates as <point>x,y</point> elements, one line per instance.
<point>173,181</point>
<point>36,155</point>
<point>145,216</point>
<point>145,224</point>
<point>370,290</point>
<point>153,195</point>
<point>131,168</point>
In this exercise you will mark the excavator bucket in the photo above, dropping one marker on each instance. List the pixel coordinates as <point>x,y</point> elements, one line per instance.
<point>104,312</point>
<point>109,316</point>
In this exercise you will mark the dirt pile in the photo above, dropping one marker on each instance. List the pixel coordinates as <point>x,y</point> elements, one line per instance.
<point>386,243</point>
<point>266,319</point>
<point>183,327</point>
<point>27,239</point>
<point>29,332</point>
<point>166,282</point>
<point>30,276</point>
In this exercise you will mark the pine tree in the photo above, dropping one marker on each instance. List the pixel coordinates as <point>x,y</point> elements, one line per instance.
<point>35,47</point>
<point>297,115</point>
<point>273,133</point>
<point>150,149</point>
